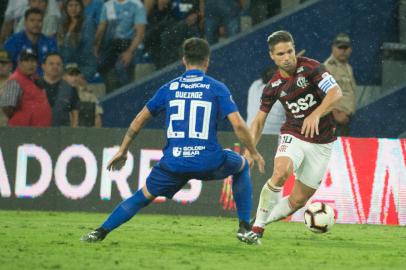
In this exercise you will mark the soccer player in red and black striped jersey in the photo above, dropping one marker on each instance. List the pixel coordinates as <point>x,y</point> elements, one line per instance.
<point>308,92</point>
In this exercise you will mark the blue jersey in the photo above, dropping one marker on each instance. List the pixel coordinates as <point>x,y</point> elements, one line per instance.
<point>20,41</point>
<point>193,103</point>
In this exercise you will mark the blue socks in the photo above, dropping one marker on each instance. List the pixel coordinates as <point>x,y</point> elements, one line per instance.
<point>242,190</point>
<point>126,210</point>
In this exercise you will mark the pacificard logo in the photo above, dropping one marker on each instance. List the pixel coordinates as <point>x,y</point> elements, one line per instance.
<point>174,86</point>
<point>194,85</point>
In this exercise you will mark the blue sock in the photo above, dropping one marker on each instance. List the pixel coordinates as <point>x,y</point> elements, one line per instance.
<point>242,190</point>
<point>126,210</point>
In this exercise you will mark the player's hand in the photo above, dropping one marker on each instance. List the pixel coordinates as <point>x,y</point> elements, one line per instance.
<point>310,125</point>
<point>260,161</point>
<point>247,155</point>
<point>117,162</point>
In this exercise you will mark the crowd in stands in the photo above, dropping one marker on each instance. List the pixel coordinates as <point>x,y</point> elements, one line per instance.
<point>75,44</point>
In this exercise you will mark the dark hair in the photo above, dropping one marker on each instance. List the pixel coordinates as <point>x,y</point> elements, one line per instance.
<point>267,74</point>
<point>67,21</point>
<point>52,54</point>
<point>33,11</point>
<point>195,50</point>
<point>278,37</point>
<point>27,55</point>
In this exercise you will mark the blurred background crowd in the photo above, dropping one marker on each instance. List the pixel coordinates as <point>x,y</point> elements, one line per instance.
<point>84,49</point>
<point>68,54</point>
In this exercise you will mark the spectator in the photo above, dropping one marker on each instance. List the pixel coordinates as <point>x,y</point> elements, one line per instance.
<point>276,117</point>
<point>62,97</point>
<point>90,111</point>
<point>221,13</point>
<point>15,12</point>
<point>5,71</point>
<point>122,28</point>
<point>23,101</point>
<point>31,38</point>
<point>159,19</point>
<point>3,6</point>
<point>93,10</point>
<point>263,9</point>
<point>149,6</point>
<point>50,22</point>
<point>76,37</point>
<point>341,70</point>
<point>185,14</point>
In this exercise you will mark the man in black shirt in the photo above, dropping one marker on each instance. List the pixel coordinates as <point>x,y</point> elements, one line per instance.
<point>62,97</point>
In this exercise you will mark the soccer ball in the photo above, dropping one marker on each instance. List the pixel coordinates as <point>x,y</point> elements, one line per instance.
<point>319,217</point>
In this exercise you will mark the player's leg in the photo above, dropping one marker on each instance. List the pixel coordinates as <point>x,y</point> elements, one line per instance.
<point>128,208</point>
<point>271,191</point>
<point>308,179</point>
<point>290,204</point>
<point>158,183</point>
<point>121,214</point>
<point>288,158</point>
<point>238,167</point>
<point>242,190</point>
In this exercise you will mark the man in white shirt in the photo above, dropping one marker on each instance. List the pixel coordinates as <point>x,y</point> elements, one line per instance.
<point>277,115</point>
<point>15,13</point>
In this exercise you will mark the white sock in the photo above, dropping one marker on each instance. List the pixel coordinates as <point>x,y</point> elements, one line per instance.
<point>270,195</point>
<point>280,211</point>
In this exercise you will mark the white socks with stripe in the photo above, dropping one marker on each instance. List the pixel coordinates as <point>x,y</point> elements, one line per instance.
<point>270,195</point>
<point>280,211</point>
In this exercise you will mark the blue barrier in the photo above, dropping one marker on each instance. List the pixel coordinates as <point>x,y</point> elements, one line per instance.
<point>385,118</point>
<point>240,60</point>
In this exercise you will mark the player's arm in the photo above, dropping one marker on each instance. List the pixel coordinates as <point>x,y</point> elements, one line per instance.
<point>329,101</point>
<point>137,124</point>
<point>268,99</point>
<point>311,123</point>
<point>244,135</point>
<point>257,126</point>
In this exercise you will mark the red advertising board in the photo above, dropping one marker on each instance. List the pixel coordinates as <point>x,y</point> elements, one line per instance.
<point>365,182</point>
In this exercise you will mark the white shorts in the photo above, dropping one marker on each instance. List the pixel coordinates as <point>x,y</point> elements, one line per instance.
<point>310,160</point>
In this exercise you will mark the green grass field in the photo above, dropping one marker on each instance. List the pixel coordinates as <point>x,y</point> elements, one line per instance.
<point>50,240</point>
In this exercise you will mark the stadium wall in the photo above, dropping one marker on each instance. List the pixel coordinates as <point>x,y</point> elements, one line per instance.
<point>241,59</point>
<point>63,169</point>
<point>385,118</point>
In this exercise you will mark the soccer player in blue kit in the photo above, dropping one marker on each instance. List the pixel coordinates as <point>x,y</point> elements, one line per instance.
<point>193,103</point>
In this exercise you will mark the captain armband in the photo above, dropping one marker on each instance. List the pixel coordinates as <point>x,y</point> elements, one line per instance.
<point>327,82</point>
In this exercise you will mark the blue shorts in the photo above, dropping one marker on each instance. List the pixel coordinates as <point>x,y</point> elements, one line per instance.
<point>161,182</point>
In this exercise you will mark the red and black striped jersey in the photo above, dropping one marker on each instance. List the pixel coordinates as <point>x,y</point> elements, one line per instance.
<point>300,94</point>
